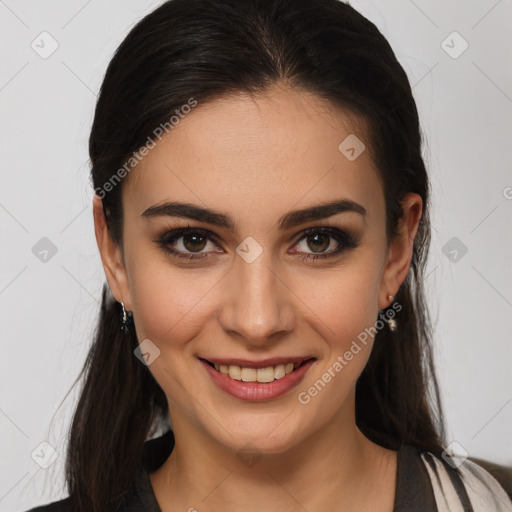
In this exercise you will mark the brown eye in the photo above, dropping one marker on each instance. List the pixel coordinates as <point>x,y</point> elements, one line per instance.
<point>194,242</point>
<point>187,243</point>
<point>318,242</point>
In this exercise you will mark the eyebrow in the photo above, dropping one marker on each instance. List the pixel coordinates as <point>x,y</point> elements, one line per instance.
<point>290,219</point>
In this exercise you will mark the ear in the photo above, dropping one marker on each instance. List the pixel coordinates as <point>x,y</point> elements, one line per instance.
<point>111,256</point>
<point>401,249</point>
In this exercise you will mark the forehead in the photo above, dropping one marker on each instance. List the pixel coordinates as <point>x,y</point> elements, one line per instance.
<point>252,153</point>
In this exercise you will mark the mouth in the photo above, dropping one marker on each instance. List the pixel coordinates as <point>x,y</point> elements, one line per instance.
<point>263,372</point>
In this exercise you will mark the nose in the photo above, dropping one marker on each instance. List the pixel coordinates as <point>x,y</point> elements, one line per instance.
<point>256,304</point>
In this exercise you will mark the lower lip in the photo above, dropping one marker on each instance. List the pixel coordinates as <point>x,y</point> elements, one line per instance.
<point>258,391</point>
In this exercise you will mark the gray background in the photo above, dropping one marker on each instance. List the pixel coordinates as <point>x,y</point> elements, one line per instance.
<point>48,308</point>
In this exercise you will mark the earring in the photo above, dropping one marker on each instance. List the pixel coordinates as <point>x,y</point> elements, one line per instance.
<point>392,323</point>
<point>126,318</point>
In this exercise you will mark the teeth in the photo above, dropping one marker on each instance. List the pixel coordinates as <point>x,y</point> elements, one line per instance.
<point>249,374</point>
<point>265,374</point>
<point>268,374</point>
<point>235,372</point>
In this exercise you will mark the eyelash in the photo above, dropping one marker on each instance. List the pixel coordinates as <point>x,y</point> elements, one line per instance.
<point>344,239</point>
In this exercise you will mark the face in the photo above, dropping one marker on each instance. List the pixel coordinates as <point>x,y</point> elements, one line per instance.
<point>241,277</point>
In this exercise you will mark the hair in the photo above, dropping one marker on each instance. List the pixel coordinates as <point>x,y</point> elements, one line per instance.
<point>206,50</point>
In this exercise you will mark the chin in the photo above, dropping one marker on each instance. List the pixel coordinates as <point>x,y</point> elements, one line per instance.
<point>270,436</point>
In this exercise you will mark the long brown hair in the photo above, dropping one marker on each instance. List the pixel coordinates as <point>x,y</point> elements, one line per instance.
<point>204,49</point>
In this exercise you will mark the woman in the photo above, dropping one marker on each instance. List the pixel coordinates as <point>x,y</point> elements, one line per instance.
<point>262,213</point>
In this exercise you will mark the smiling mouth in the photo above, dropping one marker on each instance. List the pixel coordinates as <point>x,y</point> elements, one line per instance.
<point>263,375</point>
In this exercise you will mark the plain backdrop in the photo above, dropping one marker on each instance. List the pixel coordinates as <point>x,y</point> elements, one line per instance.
<point>456,55</point>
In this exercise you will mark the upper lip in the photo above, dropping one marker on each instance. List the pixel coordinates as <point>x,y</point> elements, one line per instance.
<point>263,363</point>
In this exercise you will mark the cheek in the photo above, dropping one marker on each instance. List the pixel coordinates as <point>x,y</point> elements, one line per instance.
<point>171,307</point>
<point>348,311</point>
<point>359,305</point>
<point>345,301</point>
<point>169,304</point>
<point>346,307</point>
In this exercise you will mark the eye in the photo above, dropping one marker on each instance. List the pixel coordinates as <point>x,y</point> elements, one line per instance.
<point>192,243</point>
<point>321,239</point>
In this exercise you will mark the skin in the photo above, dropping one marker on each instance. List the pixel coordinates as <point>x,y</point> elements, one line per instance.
<point>255,159</point>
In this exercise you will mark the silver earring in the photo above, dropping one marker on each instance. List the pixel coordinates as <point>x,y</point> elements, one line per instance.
<point>126,318</point>
<point>392,323</point>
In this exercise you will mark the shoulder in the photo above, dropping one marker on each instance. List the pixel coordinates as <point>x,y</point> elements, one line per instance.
<point>473,482</point>
<point>140,496</point>
<point>63,505</point>
<point>503,474</point>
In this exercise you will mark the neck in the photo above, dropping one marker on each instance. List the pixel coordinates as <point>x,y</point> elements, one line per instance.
<point>334,468</point>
